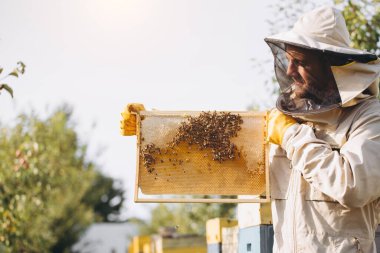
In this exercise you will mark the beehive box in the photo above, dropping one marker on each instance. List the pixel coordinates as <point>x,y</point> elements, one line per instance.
<point>214,229</point>
<point>256,239</point>
<point>230,239</point>
<point>169,164</point>
<point>251,214</point>
<point>180,244</point>
<point>139,243</point>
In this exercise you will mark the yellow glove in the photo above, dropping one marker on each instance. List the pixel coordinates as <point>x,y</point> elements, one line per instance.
<point>278,123</point>
<point>128,123</point>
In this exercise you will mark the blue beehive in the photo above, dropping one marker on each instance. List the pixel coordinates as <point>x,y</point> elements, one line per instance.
<point>256,239</point>
<point>214,248</point>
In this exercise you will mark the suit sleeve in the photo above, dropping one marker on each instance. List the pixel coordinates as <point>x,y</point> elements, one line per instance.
<point>351,176</point>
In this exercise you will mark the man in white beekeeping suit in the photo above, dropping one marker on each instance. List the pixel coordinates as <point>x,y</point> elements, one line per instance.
<point>325,164</point>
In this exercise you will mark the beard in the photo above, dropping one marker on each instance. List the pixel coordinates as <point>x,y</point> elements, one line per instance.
<point>300,89</point>
<point>308,89</point>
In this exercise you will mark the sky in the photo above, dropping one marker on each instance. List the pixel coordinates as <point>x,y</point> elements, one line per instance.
<point>99,55</point>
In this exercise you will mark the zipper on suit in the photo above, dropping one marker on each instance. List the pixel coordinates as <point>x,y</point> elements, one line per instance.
<point>357,243</point>
<point>294,210</point>
<point>294,198</point>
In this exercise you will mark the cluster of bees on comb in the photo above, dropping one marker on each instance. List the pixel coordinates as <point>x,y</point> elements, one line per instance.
<point>209,130</point>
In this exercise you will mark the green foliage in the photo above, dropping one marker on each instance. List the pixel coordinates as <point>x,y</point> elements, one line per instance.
<point>16,72</point>
<point>363,23</point>
<point>186,218</point>
<point>106,198</point>
<point>44,182</point>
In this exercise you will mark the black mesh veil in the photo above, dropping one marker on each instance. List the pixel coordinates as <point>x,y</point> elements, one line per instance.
<point>307,84</point>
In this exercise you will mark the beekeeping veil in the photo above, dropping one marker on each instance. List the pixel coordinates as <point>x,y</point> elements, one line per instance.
<point>315,67</point>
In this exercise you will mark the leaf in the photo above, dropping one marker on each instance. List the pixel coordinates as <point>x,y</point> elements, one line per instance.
<point>1,70</point>
<point>21,67</point>
<point>14,73</point>
<point>7,88</point>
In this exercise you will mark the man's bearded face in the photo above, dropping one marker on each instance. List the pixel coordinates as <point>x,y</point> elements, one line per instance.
<point>309,72</point>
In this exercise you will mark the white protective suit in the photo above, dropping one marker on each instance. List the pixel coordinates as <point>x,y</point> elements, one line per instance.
<point>325,177</point>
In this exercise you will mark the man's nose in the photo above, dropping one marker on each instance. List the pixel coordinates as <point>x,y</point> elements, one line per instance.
<point>292,68</point>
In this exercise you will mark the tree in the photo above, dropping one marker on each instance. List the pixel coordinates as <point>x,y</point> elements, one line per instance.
<point>363,23</point>
<point>106,197</point>
<point>45,178</point>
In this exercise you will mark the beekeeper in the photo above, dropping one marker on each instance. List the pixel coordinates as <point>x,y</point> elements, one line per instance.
<point>325,164</point>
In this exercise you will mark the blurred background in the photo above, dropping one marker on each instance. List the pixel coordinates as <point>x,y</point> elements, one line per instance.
<point>67,176</point>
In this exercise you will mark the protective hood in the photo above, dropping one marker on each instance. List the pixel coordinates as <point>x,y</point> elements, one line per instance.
<point>317,70</point>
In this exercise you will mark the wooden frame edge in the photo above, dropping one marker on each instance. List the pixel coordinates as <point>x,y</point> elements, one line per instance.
<point>198,200</point>
<point>267,150</point>
<point>138,143</point>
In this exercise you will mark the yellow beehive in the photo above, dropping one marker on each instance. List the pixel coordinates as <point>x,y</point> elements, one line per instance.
<point>180,244</point>
<point>147,248</point>
<point>130,247</point>
<point>141,244</point>
<point>187,250</point>
<point>214,229</point>
<point>265,213</point>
